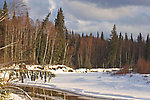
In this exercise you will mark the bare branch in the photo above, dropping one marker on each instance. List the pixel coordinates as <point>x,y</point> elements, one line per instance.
<point>21,91</point>
<point>3,17</point>
<point>9,45</point>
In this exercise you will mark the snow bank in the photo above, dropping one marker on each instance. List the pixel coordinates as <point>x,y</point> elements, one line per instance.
<point>61,68</point>
<point>84,70</point>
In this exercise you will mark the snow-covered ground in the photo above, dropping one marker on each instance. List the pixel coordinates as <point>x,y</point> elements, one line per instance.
<point>96,82</point>
<point>100,84</point>
<point>105,85</point>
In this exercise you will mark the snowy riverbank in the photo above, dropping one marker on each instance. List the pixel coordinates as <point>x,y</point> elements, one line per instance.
<point>100,84</point>
<point>93,82</point>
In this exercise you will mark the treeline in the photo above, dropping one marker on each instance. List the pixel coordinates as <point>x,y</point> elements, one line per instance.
<point>23,40</point>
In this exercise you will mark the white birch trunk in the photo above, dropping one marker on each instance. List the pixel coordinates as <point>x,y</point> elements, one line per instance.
<point>65,52</point>
<point>52,52</point>
<point>45,49</point>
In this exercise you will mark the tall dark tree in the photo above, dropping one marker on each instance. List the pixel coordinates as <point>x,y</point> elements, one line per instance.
<point>97,35</point>
<point>59,22</point>
<point>131,37</point>
<point>5,8</point>
<point>126,37</point>
<point>120,50</point>
<point>39,43</point>
<point>147,51</point>
<point>102,36</point>
<point>112,54</point>
<point>60,46</point>
<point>140,46</point>
<point>120,36</point>
<point>139,39</point>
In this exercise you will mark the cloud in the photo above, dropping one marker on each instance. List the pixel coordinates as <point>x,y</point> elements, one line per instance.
<point>116,3</point>
<point>88,11</point>
<point>38,9</point>
<point>131,16</point>
<point>26,1</point>
<point>52,5</point>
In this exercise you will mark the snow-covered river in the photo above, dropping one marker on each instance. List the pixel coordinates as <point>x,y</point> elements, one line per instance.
<point>99,84</point>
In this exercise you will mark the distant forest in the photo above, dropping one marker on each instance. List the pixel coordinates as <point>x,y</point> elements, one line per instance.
<point>23,40</point>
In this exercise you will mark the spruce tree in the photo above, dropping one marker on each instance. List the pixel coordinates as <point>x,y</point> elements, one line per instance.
<point>126,37</point>
<point>97,35</point>
<point>120,50</point>
<point>102,36</point>
<point>113,47</point>
<point>112,54</point>
<point>120,36</point>
<point>39,43</point>
<point>5,8</point>
<point>139,39</point>
<point>60,46</point>
<point>14,15</point>
<point>131,37</point>
<point>140,46</point>
<point>59,22</point>
<point>147,51</point>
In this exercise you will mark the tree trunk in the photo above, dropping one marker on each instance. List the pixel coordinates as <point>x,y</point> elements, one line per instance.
<point>12,47</point>
<point>52,51</point>
<point>65,52</point>
<point>45,50</point>
<point>5,50</point>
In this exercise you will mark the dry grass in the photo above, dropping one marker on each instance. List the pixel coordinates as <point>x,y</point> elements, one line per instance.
<point>124,70</point>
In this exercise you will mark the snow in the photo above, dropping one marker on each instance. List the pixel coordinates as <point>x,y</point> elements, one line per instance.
<point>52,68</point>
<point>84,70</point>
<point>95,82</point>
<point>104,85</point>
<point>100,84</point>
<point>15,97</point>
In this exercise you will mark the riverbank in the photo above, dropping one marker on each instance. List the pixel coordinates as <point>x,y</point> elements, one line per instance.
<point>99,85</point>
<point>54,93</point>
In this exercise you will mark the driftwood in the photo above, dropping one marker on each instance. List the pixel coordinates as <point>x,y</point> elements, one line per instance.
<point>20,90</point>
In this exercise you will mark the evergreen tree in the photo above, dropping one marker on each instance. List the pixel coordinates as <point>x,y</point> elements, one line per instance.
<point>120,36</point>
<point>59,22</point>
<point>126,37</point>
<point>14,15</point>
<point>139,39</point>
<point>120,49</point>
<point>60,46</point>
<point>112,54</point>
<point>5,8</point>
<point>140,48</point>
<point>131,37</point>
<point>102,36</point>
<point>147,51</point>
<point>39,43</point>
<point>97,35</point>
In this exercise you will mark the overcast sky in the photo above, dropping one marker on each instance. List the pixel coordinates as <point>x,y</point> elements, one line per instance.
<point>131,16</point>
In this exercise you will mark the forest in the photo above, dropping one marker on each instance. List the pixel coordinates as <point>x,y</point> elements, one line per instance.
<point>43,42</point>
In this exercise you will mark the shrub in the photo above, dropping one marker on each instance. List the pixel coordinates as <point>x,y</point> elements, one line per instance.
<point>124,70</point>
<point>142,66</point>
